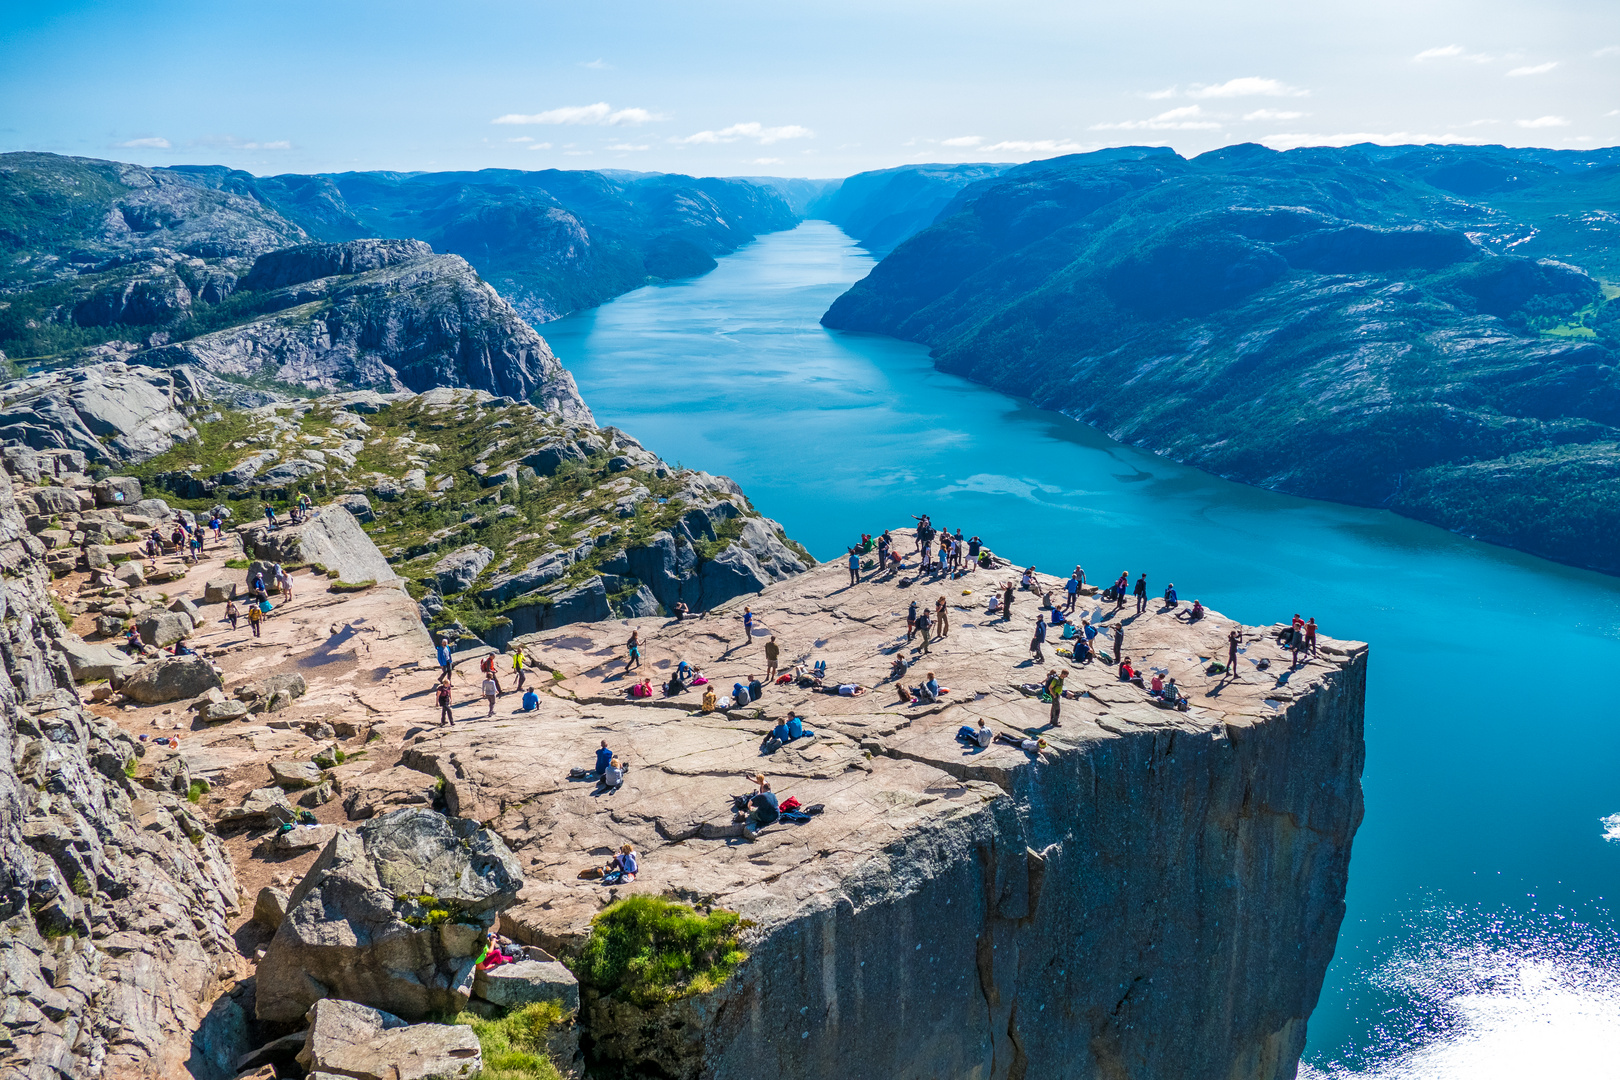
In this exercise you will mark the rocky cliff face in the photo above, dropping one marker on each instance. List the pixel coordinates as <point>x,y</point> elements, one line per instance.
<point>114,892</point>
<point>1317,322</point>
<point>884,208</point>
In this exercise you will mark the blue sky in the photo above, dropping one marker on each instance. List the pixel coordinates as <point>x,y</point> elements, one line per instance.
<point>785,88</point>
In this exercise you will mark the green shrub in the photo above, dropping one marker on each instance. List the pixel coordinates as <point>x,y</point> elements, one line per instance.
<point>514,1044</point>
<point>197,790</point>
<point>649,950</point>
<point>351,586</point>
<point>237,564</point>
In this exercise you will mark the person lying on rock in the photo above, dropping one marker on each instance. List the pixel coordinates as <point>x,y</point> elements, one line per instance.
<point>496,953</point>
<point>849,689</point>
<point>642,689</point>
<point>1028,745</point>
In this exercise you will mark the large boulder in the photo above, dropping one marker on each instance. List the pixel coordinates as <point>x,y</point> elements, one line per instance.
<point>172,680</point>
<point>261,805</point>
<point>347,1039</point>
<point>358,505</point>
<point>103,412</point>
<point>333,539</point>
<point>218,590</point>
<point>392,915</point>
<point>459,569</point>
<point>163,628</point>
<point>528,981</point>
<point>89,662</point>
<point>369,794</point>
<point>292,775</point>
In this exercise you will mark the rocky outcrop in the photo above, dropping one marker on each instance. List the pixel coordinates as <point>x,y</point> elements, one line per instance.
<point>349,1040</point>
<point>332,538</point>
<point>112,412</point>
<point>391,915</point>
<point>408,319</point>
<point>114,896</point>
<point>172,680</point>
<point>461,568</point>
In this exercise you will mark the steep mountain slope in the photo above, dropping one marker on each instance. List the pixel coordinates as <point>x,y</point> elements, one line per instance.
<point>551,241</point>
<point>1316,322</point>
<point>882,208</point>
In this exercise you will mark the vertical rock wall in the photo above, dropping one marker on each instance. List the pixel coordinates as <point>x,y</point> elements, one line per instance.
<point>1155,904</point>
<point>113,896</point>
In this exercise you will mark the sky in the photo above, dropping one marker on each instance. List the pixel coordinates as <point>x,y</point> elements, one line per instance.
<point>788,88</point>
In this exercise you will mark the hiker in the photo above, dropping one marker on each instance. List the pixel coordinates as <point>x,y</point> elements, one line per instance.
<point>748,624</point>
<point>633,650</point>
<point>1173,696</point>
<point>883,549</point>
<point>443,697</point>
<point>1310,636</point>
<point>232,613</point>
<point>443,653</point>
<point>487,666</point>
<point>1120,588</point>
<point>1029,746</point>
<point>255,618</point>
<point>642,689</point>
<point>911,621</point>
<point>1054,688</point>
<point>739,694</point>
<point>763,810</point>
<point>1141,594</point>
<point>942,617</point>
<point>1072,588</point>
<point>710,702</point>
<point>1006,602</point>
<point>623,867</point>
<point>218,526</point>
<point>773,653</point>
<point>494,955</point>
<point>1028,581</point>
<point>756,688</point>
<point>518,665</point>
<point>1232,639</point>
<point>994,605</point>
<point>491,690</point>
<point>284,579</point>
<point>531,700</point>
<point>270,515</point>
<point>1170,600</point>
<point>1038,641</point>
<point>928,692</point>
<point>681,610</point>
<point>925,627</point>
<point>1119,641</point>
<point>612,775</point>
<point>854,567</point>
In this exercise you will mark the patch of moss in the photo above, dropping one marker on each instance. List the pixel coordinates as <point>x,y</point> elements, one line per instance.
<point>197,790</point>
<point>351,586</point>
<point>514,1043</point>
<point>649,950</point>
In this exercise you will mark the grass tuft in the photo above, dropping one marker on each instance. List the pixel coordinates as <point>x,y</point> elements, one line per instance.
<point>649,950</point>
<point>514,1044</point>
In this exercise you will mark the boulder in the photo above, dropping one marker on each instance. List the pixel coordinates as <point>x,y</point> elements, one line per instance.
<point>218,590</point>
<point>263,804</point>
<point>528,981</point>
<point>162,768</point>
<point>89,662</point>
<point>101,412</point>
<point>319,795</point>
<point>549,457</point>
<point>326,757</point>
<point>369,794</point>
<point>391,914</point>
<point>304,837</point>
<point>292,775</point>
<point>358,505</point>
<point>163,628</point>
<point>347,1039</point>
<point>23,462</point>
<point>110,626</point>
<point>52,501</point>
<point>183,606</point>
<point>333,538</point>
<point>117,491</point>
<point>171,680</point>
<point>273,693</point>
<point>130,574</point>
<point>459,569</point>
<point>270,907</point>
<point>214,712</point>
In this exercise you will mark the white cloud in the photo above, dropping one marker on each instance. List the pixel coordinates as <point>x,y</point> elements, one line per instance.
<point>521,138</point>
<point>1273,114</point>
<point>761,134</point>
<point>1248,86</point>
<point>1612,112</point>
<point>1036,146</point>
<point>154,143</point>
<point>1160,95</point>
<point>578,153</point>
<point>596,65</point>
<point>1543,122</point>
<point>1350,138</point>
<point>628,146</point>
<point>1538,69</point>
<point>963,141</point>
<point>1186,118</point>
<point>1447,52</point>
<point>767,161</point>
<point>541,146</point>
<point>279,144</point>
<point>600,113</point>
<point>1608,50</point>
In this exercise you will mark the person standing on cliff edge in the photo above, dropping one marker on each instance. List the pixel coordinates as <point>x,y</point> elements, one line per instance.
<point>1119,642</point>
<point>1232,640</point>
<point>1141,594</point>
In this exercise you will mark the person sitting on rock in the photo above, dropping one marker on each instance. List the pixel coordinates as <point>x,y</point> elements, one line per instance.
<point>531,700</point>
<point>681,610</point>
<point>739,695</point>
<point>623,867</point>
<point>710,701</point>
<point>495,954</point>
<point>756,688</point>
<point>980,736</point>
<point>1170,600</point>
<point>764,810</point>
<point>612,777</point>
<point>132,640</point>
<point>927,693</point>
<point>604,758</point>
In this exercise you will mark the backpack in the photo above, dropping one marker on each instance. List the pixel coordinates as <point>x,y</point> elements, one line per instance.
<point>444,695</point>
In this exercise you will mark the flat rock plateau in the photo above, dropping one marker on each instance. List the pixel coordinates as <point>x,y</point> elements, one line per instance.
<point>1153,893</point>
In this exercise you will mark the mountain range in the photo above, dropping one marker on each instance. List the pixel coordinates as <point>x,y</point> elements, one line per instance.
<point>1428,329</point>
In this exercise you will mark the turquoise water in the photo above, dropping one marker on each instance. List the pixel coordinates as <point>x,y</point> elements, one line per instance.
<point>1482,937</point>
